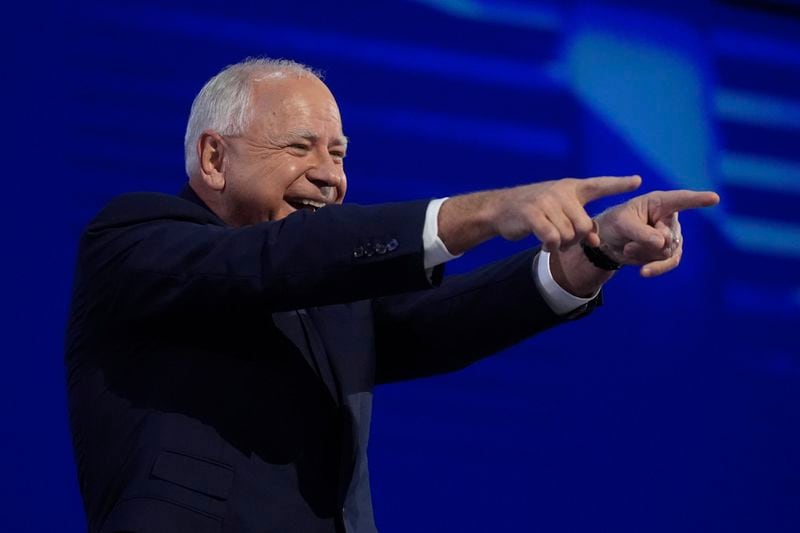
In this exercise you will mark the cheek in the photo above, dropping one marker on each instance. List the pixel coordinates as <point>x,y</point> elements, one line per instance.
<point>289,168</point>
<point>273,180</point>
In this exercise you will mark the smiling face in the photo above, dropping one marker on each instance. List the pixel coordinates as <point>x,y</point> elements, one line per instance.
<point>290,157</point>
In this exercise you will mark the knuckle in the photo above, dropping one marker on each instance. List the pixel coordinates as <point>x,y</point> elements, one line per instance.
<point>540,201</point>
<point>561,186</point>
<point>569,183</point>
<point>552,238</point>
<point>584,225</point>
<point>537,223</point>
<point>656,199</point>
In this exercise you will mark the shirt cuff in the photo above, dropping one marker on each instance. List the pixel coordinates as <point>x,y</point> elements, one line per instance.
<point>559,300</point>
<point>435,252</point>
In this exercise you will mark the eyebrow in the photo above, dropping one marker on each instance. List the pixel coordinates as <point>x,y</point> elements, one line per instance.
<point>340,140</point>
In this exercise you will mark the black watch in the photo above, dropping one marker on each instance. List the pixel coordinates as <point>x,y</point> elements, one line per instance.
<point>599,259</point>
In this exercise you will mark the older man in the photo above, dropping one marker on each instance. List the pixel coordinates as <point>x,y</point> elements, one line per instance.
<point>223,343</point>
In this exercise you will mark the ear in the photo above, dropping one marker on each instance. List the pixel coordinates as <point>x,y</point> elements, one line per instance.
<point>211,155</point>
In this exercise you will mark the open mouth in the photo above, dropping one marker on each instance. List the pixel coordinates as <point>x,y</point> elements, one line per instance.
<point>305,203</point>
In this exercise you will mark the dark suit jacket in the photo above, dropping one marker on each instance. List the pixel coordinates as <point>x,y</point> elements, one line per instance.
<point>220,379</point>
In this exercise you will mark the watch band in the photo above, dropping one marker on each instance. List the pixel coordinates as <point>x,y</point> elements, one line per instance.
<point>599,259</point>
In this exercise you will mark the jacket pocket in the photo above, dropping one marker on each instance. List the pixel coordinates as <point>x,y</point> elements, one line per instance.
<point>200,475</point>
<point>154,515</point>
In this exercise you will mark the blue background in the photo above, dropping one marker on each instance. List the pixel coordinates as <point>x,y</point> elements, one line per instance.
<point>675,407</point>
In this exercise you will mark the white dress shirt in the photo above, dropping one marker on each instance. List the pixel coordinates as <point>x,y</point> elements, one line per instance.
<point>436,253</point>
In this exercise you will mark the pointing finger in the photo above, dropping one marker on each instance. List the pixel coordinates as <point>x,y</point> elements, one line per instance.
<point>590,189</point>
<point>674,201</point>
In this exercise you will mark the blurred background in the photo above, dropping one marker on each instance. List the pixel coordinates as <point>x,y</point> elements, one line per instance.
<point>674,408</point>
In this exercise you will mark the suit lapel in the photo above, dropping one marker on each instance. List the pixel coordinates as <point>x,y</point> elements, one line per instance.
<point>298,327</point>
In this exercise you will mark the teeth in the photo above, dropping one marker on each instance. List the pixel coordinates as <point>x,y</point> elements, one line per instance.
<point>312,203</point>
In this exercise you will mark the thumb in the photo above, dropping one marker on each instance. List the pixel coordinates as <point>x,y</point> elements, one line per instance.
<point>637,231</point>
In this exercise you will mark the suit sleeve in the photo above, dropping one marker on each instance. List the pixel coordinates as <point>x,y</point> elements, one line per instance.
<point>156,264</point>
<point>468,317</point>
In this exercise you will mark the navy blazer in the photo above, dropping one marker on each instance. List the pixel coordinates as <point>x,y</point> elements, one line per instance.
<point>220,378</point>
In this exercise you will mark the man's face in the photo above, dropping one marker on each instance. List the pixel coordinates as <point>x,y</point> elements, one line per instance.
<point>290,158</point>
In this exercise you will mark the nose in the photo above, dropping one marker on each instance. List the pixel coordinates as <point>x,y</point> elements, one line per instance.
<point>326,175</point>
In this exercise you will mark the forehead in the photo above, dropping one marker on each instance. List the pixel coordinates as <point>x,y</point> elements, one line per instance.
<point>285,104</point>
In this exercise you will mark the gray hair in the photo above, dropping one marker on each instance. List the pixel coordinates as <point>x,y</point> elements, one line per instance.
<point>223,104</point>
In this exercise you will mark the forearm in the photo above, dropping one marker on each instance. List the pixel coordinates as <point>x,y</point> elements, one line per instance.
<point>468,220</point>
<point>470,316</point>
<point>550,210</point>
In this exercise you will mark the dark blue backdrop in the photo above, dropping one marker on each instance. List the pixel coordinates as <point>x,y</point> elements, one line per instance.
<point>673,408</point>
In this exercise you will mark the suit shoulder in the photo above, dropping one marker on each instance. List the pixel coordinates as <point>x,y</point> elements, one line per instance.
<point>142,207</point>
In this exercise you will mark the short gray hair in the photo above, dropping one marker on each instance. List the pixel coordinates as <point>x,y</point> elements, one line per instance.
<point>223,104</point>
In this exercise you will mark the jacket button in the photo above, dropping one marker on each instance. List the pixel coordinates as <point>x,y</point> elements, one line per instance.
<point>358,251</point>
<point>392,245</point>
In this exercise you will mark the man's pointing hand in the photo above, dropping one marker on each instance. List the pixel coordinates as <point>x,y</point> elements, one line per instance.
<point>552,211</point>
<point>645,230</point>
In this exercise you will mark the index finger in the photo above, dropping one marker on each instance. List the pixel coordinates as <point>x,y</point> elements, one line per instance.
<point>590,189</point>
<point>674,201</point>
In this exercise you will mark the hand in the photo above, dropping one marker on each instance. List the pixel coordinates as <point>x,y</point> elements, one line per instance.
<point>553,210</point>
<point>645,230</point>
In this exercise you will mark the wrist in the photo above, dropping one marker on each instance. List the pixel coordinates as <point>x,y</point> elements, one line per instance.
<point>609,244</point>
<point>600,258</point>
<point>573,271</point>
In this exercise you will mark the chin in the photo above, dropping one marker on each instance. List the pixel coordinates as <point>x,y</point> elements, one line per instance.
<point>282,213</point>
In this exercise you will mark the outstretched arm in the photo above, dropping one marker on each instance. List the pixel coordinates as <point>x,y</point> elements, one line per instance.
<point>552,211</point>
<point>643,231</point>
<point>474,315</point>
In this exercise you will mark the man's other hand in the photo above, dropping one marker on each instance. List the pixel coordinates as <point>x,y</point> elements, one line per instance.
<point>553,210</point>
<point>645,230</point>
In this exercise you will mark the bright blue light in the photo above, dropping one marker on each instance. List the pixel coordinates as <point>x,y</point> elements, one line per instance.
<point>758,109</point>
<point>760,172</point>
<point>542,17</point>
<point>763,236</point>
<point>650,94</point>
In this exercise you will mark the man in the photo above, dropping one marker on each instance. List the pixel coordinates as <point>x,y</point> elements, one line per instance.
<point>223,344</point>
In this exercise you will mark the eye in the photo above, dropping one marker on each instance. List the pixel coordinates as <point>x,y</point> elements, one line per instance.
<point>299,146</point>
<point>337,154</point>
